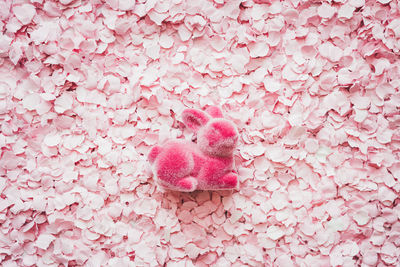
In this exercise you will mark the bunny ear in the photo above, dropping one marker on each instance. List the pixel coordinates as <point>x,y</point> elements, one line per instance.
<point>214,112</point>
<point>194,119</point>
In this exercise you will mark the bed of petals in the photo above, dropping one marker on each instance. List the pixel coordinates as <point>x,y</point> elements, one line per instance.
<point>87,87</point>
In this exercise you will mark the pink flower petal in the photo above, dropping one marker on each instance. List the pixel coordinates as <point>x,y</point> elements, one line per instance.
<point>357,3</point>
<point>31,101</point>
<point>258,49</point>
<point>384,90</point>
<point>166,41</point>
<point>126,5</point>
<point>326,11</point>
<point>178,240</point>
<point>184,33</point>
<point>274,232</point>
<point>346,11</point>
<point>24,13</point>
<point>52,139</point>
<point>330,51</point>
<point>153,51</point>
<point>277,154</point>
<point>361,217</point>
<point>44,240</point>
<point>63,103</point>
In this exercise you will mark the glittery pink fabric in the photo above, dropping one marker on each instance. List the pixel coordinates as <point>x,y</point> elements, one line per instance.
<point>88,87</point>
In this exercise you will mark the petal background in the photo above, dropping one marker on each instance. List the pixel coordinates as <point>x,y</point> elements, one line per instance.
<point>87,87</point>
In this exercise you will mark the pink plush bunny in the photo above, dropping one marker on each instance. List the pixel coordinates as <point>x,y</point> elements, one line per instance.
<point>208,165</point>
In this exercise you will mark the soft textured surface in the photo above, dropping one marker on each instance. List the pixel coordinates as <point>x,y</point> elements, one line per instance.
<point>87,87</point>
<point>207,164</point>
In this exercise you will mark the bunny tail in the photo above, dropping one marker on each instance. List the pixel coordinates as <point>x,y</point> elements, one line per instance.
<point>155,150</point>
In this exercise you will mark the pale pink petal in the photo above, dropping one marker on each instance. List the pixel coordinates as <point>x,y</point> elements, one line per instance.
<point>326,11</point>
<point>346,11</point>
<point>274,232</point>
<point>31,101</point>
<point>259,49</point>
<point>126,5</point>
<point>330,51</point>
<point>166,41</point>
<point>24,13</point>
<point>357,3</point>
<point>52,139</point>
<point>277,154</point>
<point>63,103</point>
<point>384,90</point>
<point>178,240</point>
<point>44,240</point>
<point>361,217</point>
<point>184,33</point>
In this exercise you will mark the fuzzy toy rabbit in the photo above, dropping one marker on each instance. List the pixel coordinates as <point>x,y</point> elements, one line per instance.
<point>208,165</point>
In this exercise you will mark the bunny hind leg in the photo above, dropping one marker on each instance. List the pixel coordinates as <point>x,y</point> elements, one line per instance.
<point>174,164</point>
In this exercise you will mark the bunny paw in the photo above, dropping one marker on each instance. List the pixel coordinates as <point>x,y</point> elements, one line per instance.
<point>230,181</point>
<point>188,184</point>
